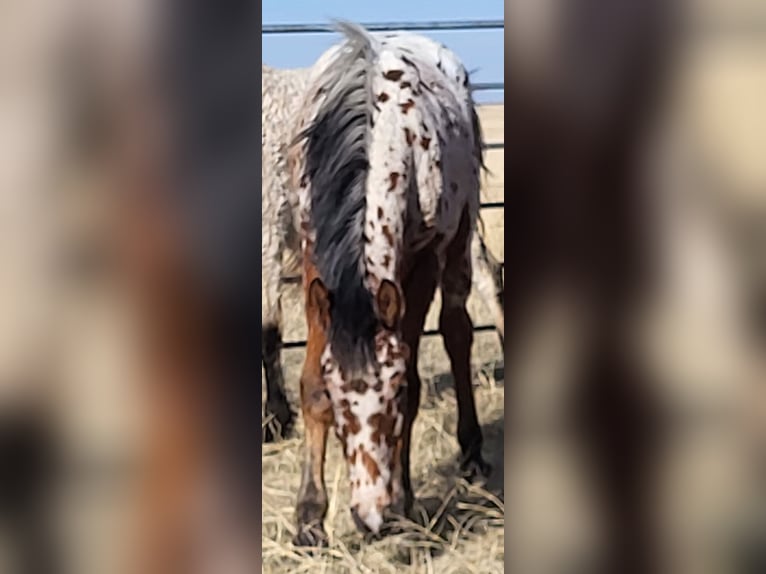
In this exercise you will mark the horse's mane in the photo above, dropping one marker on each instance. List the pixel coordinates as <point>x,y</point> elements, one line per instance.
<point>337,166</point>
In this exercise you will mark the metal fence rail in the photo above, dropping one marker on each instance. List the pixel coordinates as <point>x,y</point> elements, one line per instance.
<point>455,25</point>
<point>479,86</point>
<point>387,26</point>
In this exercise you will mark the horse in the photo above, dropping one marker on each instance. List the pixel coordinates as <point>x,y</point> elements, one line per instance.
<point>387,165</point>
<point>282,91</point>
<point>281,95</point>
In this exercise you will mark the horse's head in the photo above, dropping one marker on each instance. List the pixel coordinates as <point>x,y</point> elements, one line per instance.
<point>369,404</point>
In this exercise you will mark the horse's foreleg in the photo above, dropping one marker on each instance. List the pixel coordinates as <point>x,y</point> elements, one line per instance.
<point>278,415</point>
<point>312,496</point>
<point>318,416</point>
<point>457,331</point>
<point>277,411</point>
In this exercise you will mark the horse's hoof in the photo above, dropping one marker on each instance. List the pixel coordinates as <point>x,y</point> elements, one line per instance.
<point>280,426</point>
<point>274,433</point>
<point>475,469</point>
<point>311,536</point>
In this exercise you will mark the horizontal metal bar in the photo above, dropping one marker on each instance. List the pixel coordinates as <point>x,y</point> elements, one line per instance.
<point>290,279</point>
<point>485,86</point>
<point>426,333</point>
<point>293,344</point>
<point>296,279</point>
<point>387,26</point>
<point>492,205</point>
<point>494,145</point>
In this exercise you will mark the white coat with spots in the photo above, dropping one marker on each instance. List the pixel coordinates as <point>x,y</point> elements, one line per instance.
<point>282,92</point>
<point>387,168</point>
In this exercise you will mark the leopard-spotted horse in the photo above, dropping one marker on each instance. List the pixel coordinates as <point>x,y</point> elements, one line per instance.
<point>387,168</point>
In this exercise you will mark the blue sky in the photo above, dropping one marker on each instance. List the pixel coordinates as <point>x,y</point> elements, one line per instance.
<point>480,50</point>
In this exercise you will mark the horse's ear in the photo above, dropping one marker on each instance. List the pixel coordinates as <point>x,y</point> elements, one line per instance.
<point>390,304</point>
<point>320,302</point>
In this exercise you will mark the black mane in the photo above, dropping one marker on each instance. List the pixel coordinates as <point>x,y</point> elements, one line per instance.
<point>337,166</point>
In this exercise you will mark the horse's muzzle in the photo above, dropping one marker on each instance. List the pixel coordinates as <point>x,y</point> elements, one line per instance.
<point>391,516</point>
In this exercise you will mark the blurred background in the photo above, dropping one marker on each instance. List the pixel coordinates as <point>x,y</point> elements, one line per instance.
<point>635,199</point>
<point>129,226</point>
<point>636,230</point>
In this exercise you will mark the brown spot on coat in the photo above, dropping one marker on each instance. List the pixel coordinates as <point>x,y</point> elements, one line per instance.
<point>352,422</point>
<point>393,75</point>
<point>389,236</point>
<point>370,465</point>
<point>356,386</point>
<point>382,428</point>
<point>409,137</point>
<point>425,142</point>
<point>383,97</point>
<point>394,179</point>
<point>386,260</point>
<point>405,85</point>
<point>380,213</point>
<point>410,103</point>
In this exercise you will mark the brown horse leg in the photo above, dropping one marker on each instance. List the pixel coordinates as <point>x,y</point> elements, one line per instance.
<point>277,410</point>
<point>457,331</point>
<point>312,496</point>
<point>318,417</point>
<point>419,288</point>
